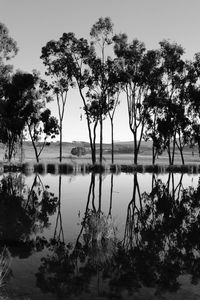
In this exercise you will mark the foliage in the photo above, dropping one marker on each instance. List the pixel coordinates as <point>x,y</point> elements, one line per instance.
<point>78,151</point>
<point>137,72</point>
<point>24,107</point>
<point>24,211</point>
<point>8,49</point>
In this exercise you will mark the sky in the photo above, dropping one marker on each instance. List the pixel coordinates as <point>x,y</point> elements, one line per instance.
<point>33,23</point>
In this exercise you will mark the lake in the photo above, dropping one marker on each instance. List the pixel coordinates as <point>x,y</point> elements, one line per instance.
<point>100,236</point>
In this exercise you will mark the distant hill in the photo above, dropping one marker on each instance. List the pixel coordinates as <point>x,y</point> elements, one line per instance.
<point>121,147</point>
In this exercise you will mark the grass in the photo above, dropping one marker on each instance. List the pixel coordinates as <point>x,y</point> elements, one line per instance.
<point>123,162</point>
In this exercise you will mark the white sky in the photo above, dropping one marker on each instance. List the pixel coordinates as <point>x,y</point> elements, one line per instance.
<point>33,23</point>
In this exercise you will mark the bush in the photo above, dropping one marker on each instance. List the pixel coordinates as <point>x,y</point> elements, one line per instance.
<point>78,151</point>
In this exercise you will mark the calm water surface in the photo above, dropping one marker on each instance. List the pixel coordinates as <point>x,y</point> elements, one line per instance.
<point>100,236</point>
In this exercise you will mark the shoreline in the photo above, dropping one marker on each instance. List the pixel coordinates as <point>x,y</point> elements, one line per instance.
<point>43,167</point>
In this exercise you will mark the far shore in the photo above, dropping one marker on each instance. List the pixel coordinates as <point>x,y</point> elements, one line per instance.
<point>119,159</point>
<point>50,155</point>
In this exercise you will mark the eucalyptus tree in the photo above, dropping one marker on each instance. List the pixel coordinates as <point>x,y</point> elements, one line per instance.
<point>24,108</point>
<point>98,107</point>
<point>151,131</point>
<point>173,85</point>
<point>42,127</point>
<point>136,69</point>
<point>101,34</point>
<point>55,58</point>
<point>8,49</point>
<point>114,101</point>
<point>69,58</point>
<point>193,96</point>
<point>113,97</point>
<point>76,59</point>
<point>12,121</point>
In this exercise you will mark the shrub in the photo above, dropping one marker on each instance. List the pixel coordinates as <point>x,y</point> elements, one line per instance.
<point>78,151</point>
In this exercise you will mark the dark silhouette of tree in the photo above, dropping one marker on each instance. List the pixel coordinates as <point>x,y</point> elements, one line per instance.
<point>68,269</point>
<point>24,215</point>
<point>153,120</point>
<point>22,107</point>
<point>41,126</point>
<point>115,102</point>
<point>131,224</point>
<point>192,95</point>
<point>12,120</point>
<point>71,55</point>
<point>8,49</point>
<point>161,241</point>
<point>56,59</point>
<point>174,120</point>
<point>101,34</point>
<point>136,69</point>
<point>79,60</point>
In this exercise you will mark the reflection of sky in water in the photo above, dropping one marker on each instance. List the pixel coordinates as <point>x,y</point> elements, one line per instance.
<point>74,194</point>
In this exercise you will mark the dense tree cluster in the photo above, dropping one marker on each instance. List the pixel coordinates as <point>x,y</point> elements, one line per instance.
<point>161,90</point>
<point>23,98</point>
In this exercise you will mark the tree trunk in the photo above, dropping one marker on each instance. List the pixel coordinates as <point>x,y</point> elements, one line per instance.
<point>35,150</point>
<point>94,143</point>
<point>33,143</point>
<point>101,140</point>
<point>153,154</point>
<point>112,142</point>
<point>173,149</point>
<point>135,148</point>
<point>180,147</point>
<point>169,152</point>
<point>93,151</point>
<point>182,157</point>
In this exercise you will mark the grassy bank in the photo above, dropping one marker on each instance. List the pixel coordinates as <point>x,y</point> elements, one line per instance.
<point>49,161</point>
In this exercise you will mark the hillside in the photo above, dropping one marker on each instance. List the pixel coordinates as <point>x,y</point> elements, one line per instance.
<point>123,153</point>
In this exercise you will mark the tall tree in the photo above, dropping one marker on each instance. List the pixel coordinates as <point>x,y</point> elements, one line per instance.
<point>136,68</point>
<point>173,81</point>
<point>12,121</point>
<point>193,96</point>
<point>24,106</point>
<point>101,34</point>
<point>55,58</point>
<point>8,49</point>
<point>113,100</point>
<point>41,127</point>
<point>74,54</point>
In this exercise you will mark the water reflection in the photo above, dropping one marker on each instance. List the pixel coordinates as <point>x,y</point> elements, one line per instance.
<point>161,239</point>
<point>69,269</point>
<point>5,266</point>
<point>24,213</point>
<point>159,243</point>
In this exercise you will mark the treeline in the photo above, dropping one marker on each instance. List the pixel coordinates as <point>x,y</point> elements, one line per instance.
<point>161,87</point>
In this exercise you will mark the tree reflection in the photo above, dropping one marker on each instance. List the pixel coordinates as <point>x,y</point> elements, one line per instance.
<point>69,269</point>
<point>161,243</point>
<point>5,266</point>
<point>58,232</point>
<point>161,239</point>
<point>24,213</point>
